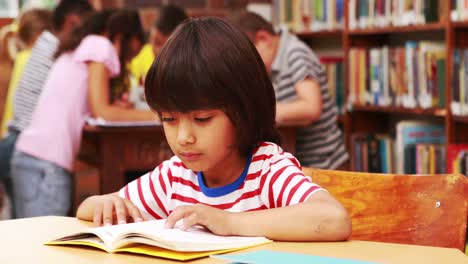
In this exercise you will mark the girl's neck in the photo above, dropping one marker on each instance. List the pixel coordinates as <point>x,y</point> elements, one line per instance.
<point>226,172</point>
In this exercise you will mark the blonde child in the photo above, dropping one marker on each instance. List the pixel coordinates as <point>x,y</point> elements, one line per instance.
<point>213,95</point>
<point>31,24</point>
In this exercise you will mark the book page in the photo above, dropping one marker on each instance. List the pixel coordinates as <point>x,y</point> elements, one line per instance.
<point>194,239</point>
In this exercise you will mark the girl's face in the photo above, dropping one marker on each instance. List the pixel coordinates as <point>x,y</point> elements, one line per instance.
<point>205,140</point>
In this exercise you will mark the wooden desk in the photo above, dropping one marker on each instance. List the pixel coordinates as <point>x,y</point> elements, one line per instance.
<point>115,150</point>
<point>22,242</point>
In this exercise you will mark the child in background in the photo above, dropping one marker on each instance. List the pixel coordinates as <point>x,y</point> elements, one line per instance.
<point>77,86</point>
<point>214,97</point>
<point>66,16</point>
<point>170,16</point>
<point>31,24</point>
<point>302,93</point>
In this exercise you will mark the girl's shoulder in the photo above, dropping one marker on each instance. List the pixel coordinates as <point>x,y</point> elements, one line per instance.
<point>97,48</point>
<point>96,42</point>
<point>270,154</point>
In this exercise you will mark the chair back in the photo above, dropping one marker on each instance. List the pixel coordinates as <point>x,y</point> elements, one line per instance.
<point>410,209</point>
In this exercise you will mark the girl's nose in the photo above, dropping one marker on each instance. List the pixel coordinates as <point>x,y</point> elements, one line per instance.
<point>185,134</point>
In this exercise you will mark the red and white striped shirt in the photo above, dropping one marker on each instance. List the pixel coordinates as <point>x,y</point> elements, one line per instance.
<point>273,179</point>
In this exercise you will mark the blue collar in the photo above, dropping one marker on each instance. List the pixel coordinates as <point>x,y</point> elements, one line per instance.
<point>223,190</point>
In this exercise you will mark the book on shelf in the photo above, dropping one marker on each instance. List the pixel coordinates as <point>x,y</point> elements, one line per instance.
<point>372,153</point>
<point>457,158</point>
<point>459,10</point>
<point>153,239</point>
<point>334,68</point>
<point>309,15</point>
<point>364,14</point>
<point>410,135</point>
<point>459,102</point>
<point>411,76</point>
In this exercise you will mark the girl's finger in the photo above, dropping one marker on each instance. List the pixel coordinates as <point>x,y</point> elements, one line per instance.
<point>178,213</point>
<point>107,212</point>
<point>120,211</point>
<point>97,217</point>
<point>133,211</point>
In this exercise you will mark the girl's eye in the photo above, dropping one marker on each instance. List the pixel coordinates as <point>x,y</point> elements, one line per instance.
<point>167,119</point>
<point>202,119</point>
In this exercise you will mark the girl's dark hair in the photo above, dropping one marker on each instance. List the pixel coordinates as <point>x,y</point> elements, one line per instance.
<point>69,7</point>
<point>124,24</point>
<point>94,23</point>
<point>209,64</point>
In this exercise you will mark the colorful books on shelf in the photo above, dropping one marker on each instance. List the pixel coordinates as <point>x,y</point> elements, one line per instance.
<point>419,147</point>
<point>410,76</point>
<point>364,14</point>
<point>372,153</point>
<point>153,239</point>
<point>457,158</point>
<point>309,15</point>
<point>334,68</point>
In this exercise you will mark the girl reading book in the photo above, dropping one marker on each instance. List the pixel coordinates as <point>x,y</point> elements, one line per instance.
<point>211,90</point>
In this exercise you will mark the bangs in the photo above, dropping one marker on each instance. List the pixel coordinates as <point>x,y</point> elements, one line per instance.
<point>188,75</point>
<point>207,63</point>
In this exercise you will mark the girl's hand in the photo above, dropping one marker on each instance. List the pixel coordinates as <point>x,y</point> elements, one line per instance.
<point>112,209</point>
<point>217,221</point>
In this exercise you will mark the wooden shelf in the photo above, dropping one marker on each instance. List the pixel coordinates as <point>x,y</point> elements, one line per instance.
<point>460,119</point>
<point>460,25</point>
<point>392,30</point>
<point>439,112</point>
<point>324,33</point>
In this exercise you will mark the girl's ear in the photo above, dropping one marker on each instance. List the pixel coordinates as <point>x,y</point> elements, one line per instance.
<point>262,36</point>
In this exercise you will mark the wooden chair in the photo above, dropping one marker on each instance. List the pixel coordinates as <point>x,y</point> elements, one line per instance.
<point>421,210</point>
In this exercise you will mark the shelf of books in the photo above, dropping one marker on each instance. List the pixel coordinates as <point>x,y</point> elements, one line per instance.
<point>404,97</point>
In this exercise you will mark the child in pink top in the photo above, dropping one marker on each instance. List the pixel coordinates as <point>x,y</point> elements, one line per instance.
<point>77,87</point>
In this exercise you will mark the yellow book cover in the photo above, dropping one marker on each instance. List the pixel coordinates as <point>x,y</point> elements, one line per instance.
<point>153,239</point>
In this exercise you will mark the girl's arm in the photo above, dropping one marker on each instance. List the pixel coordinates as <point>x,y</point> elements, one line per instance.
<point>320,218</point>
<point>99,98</point>
<point>303,111</point>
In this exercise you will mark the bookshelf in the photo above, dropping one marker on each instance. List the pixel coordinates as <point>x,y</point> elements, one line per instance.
<point>373,119</point>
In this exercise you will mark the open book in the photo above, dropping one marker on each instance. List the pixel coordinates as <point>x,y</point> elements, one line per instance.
<point>152,238</point>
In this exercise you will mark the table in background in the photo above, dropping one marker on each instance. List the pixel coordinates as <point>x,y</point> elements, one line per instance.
<point>115,150</point>
<point>22,242</point>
